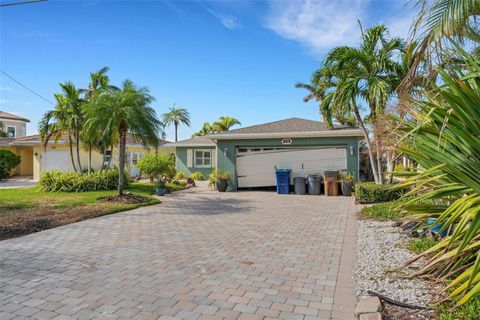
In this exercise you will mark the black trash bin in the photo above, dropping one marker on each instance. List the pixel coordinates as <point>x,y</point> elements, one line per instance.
<point>300,185</point>
<point>314,184</point>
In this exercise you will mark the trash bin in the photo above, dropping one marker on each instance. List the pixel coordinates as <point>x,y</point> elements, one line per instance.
<point>314,184</point>
<point>299,184</point>
<point>283,181</point>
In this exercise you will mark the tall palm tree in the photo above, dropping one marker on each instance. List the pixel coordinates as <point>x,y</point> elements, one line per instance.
<point>365,73</point>
<point>2,130</point>
<point>206,129</point>
<point>175,117</point>
<point>123,111</point>
<point>66,118</point>
<point>224,123</point>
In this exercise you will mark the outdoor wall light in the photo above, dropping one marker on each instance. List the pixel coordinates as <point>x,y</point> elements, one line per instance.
<point>352,150</point>
<point>225,152</point>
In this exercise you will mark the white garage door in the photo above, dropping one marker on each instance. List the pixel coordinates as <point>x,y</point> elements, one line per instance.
<point>256,166</point>
<point>55,160</point>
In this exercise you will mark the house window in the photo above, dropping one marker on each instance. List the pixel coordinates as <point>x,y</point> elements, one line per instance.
<point>11,132</point>
<point>203,158</point>
<point>134,158</point>
<point>24,131</point>
<point>107,156</point>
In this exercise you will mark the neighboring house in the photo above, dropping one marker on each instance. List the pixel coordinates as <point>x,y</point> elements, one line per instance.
<point>14,126</point>
<point>251,154</point>
<point>36,159</point>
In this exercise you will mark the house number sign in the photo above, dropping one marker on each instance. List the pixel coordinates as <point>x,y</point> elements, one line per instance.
<point>287,141</point>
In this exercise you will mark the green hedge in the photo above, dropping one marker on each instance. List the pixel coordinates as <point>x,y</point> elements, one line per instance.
<point>369,192</point>
<point>53,181</point>
<point>8,161</point>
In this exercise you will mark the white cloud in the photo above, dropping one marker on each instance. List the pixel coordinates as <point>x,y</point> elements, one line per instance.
<point>318,25</point>
<point>228,21</point>
<point>5,88</point>
<point>400,25</point>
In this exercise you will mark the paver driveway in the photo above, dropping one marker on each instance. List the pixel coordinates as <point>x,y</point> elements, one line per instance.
<point>198,255</point>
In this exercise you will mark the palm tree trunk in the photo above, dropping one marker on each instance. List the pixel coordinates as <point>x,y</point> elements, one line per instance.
<point>111,156</point>
<point>176,130</point>
<point>379,153</point>
<point>77,147</point>
<point>71,151</point>
<point>90,159</point>
<point>367,140</point>
<point>121,161</point>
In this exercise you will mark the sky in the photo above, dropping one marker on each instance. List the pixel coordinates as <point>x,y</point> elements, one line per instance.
<point>214,58</point>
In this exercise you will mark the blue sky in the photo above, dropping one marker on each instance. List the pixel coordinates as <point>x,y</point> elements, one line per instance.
<point>235,58</point>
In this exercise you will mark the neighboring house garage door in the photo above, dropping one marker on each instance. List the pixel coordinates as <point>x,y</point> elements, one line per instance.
<point>256,166</point>
<point>55,160</point>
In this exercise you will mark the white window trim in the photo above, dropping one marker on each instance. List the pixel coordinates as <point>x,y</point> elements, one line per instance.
<point>195,158</point>
<point>14,130</point>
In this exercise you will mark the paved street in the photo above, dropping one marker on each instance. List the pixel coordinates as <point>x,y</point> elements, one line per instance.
<point>198,255</point>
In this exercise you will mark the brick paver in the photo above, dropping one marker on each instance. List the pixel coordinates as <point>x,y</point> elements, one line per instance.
<point>198,255</point>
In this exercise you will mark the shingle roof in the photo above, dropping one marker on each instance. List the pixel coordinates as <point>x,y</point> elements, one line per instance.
<point>284,126</point>
<point>35,139</point>
<point>11,116</point>
<point>195,141</point>
<point>6,141</point>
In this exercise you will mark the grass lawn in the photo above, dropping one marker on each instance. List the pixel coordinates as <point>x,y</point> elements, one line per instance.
<point>28,210</point>
<point>382,211</point>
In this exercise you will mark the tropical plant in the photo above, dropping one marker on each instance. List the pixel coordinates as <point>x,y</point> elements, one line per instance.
<point>126,110</point>
<point>175,117</point>
<point>2,130</point>
<point>8,161</point>
<point>66,119</point>
<point>197,175</point>
<point>444,139</point>
<point>153,165</point>
<point>224,123</point>
<point>366,73</point>
<point>206,130</point>
<point>56,181</point>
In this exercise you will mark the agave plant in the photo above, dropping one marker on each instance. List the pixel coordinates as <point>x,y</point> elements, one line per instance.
<point>444,138</point>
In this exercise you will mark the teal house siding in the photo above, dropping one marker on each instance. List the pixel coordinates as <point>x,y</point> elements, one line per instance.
<point>226,152</point>
<point>182,163</point>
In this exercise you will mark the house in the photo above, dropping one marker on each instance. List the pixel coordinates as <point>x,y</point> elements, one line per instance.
<point>250,155</point>
<point>35,158</point>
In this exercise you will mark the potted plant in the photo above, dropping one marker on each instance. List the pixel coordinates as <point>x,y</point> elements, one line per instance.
<point>222,181</point>
<point>347,180</point>
<point>160,188</point>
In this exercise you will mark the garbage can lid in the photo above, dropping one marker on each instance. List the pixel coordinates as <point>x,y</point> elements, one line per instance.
<point>282,170</point>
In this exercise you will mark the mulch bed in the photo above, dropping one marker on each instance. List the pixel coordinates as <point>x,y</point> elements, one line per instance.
<point>391,312</point>
<point>126,198</point>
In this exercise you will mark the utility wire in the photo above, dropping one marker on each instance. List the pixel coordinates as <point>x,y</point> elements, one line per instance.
<point>38,95</point>
<point>19,3</point>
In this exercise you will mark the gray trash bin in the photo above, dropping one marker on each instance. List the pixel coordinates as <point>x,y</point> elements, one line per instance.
<point>314,184</point>
<point>300,186</point>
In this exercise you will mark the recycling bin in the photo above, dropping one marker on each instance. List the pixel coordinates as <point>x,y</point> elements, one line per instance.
<point>283,181</point>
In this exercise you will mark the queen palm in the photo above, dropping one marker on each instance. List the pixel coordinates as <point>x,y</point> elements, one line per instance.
<point>206,129</point>
<point>121,111</point>
<point>224,123</point>
<point>66,118</point>
<point>175,117</point>
<point>365,73</point>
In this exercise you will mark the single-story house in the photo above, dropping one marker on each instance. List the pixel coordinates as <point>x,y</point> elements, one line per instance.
<point>36,159</point>
<point>250,155</point>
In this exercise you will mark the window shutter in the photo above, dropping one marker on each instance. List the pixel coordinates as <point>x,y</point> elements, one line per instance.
<point>214,158</point>
<point>189,158</point>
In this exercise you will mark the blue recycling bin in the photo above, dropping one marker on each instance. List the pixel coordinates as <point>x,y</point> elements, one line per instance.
<point>283,181</point>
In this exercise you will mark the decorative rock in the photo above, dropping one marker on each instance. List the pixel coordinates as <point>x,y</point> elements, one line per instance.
<point>368,305</point>
<point>370,316</point>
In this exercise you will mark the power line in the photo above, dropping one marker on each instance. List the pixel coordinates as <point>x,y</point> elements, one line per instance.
<point>24,86</point>
<point>19,3</point>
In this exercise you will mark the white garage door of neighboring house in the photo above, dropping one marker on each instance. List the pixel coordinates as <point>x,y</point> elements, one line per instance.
<point>256,166</point>
<point>55,160</point>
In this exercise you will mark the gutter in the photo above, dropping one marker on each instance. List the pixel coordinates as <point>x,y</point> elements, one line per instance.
<point>311,134</point>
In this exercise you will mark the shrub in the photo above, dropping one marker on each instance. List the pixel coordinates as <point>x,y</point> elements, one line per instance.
<point>197,176</point>
<point>180,176</point>
<point>369,192</point>
<point>53,181</point>
<point>8,161</point>
<point>153,165</point>
<point>383,211</point>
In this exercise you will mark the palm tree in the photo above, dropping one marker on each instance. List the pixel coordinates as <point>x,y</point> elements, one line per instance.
<point>2,130</point>
<point>122,111</point>
<point>176,116</point>
<point>66,118</point>
<point>224,123</point>
<point>206,129</point>
<point>363,74</point>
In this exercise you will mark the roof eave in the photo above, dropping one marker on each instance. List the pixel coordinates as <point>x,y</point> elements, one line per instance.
<point>311,134</point>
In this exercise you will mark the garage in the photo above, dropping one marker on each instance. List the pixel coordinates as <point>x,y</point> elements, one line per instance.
<point>256,166</point>
<point>55,160</point>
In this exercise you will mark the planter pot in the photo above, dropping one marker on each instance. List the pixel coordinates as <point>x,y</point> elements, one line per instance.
<point>347,188</point>
<point>160,191</point>
<point>222,185</point>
